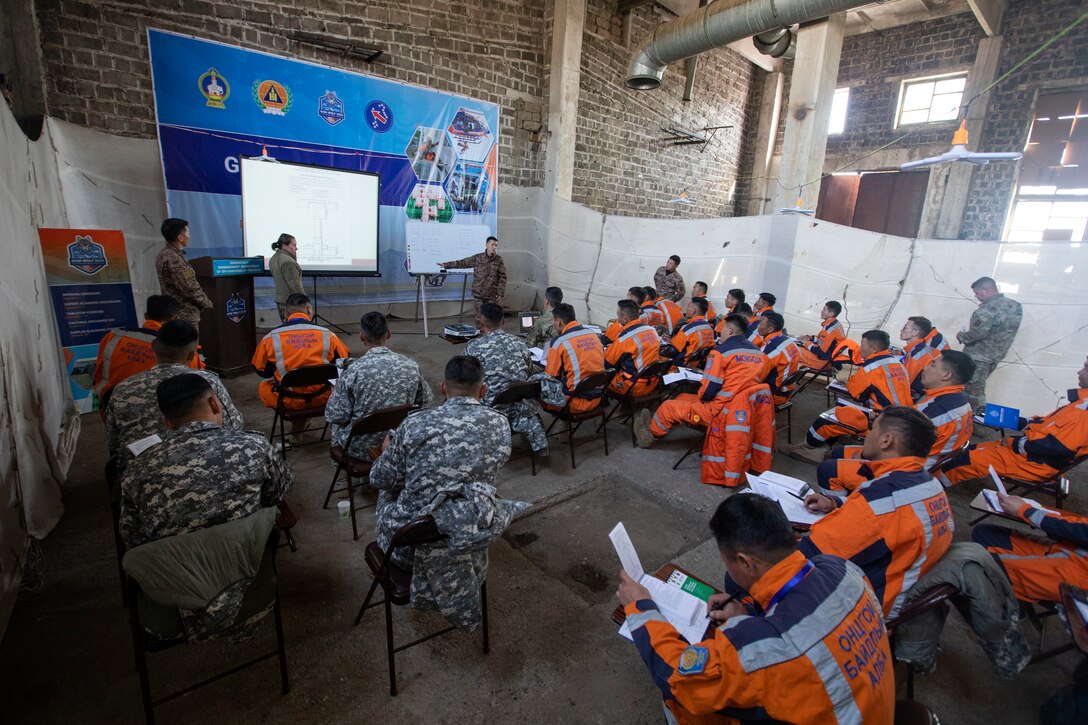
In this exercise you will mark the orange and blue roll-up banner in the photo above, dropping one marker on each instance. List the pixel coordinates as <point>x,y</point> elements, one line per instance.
<point>89,286</point>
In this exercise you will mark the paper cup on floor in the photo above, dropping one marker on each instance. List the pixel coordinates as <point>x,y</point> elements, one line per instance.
<point>344,507</point>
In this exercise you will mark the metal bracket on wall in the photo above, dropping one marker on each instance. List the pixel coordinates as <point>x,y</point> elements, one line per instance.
<point>344,47</point>
<point>682,137</point>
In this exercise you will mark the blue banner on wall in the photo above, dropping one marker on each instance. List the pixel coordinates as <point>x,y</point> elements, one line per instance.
<point>216,102</point>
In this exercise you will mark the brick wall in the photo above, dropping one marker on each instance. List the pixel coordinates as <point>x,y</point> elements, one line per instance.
<point>97,74</point>
<point>621,166</point>
<point>874,64</point>
<point>1027,25</point>
<point>97,71</point>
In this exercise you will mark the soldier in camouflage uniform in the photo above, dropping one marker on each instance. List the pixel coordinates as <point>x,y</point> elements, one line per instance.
<point>133,412</point>
<point>176,275</point>
<point>201,474</point>
<point>987,341</point>
<point>488,274</point>
<point>379,379</point>
<point>543,332</point>
<point>444,462</point>
<point>506,360</point>
<point>667,281</point>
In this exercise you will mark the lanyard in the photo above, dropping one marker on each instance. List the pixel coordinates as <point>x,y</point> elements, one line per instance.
<point>789,585</point>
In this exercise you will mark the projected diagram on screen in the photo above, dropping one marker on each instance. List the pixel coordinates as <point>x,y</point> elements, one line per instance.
<point>318,249</point>
<point>333,213</point>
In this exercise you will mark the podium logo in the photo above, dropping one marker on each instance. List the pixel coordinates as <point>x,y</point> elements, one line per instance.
<point>214,88</point>
<point>86,255</point>
<point>236,308</point>
<point>273,97</point>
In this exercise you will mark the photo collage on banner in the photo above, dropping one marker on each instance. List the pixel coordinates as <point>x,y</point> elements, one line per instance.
<point>436,154</point>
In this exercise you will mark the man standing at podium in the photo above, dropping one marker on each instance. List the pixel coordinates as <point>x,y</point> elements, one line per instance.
<point>176,275</point>
<point>488,274</point>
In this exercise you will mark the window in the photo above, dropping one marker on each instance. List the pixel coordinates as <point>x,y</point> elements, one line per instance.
<point>1052,193</point>
<point>837,123</point>
<point>936,98</point>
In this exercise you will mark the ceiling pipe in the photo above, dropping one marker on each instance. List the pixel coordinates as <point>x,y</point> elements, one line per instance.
<point>717,24</point>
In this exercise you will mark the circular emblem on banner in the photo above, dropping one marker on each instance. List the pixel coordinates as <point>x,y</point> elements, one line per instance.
<point>214,87</point>
<point>378,116</point>
<point>273,97</point>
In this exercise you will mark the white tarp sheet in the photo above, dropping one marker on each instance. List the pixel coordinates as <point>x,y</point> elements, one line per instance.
<point>880,279</point>
<point>38,424</point>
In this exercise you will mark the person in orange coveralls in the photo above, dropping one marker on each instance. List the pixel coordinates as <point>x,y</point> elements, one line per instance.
<point>809,648</point>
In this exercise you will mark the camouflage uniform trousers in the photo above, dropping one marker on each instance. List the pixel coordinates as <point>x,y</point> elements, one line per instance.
<point>524,417</point>
<point>976,386</point>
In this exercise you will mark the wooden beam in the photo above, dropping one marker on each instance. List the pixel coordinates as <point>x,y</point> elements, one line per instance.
<point>989,14</point>
<point>747,48</point>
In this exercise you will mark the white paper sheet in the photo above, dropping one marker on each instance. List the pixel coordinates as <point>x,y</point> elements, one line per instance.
<point>625,549</point>
<point>138,447</point>
<point>998,482</point>
<point>539,355</point>
<point>793,507</point>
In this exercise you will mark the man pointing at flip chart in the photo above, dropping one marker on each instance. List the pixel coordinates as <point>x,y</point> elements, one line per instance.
<point>489,274</point>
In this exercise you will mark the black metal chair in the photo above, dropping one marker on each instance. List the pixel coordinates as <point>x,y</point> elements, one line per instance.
<point>113,492</point>
<point>694,447</point>
<point>935,597</point>
<point>514,392</point>
<point>634,402</point>
<point>592,386</point>
<point>305,383</point>
<point>396,584</point>
<point>379,421</point>
<point>698,358</point>
<point>787,406</point>
<point>261,593</point>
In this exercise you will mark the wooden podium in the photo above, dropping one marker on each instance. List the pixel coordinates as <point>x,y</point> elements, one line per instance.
<point>228,331</point>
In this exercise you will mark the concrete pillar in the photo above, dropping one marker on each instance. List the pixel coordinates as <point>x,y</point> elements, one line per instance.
<point>568,24</point>
<point>21,62</point>
<point>770,109</point>
<point>812,89</point>
<point>950,184</point>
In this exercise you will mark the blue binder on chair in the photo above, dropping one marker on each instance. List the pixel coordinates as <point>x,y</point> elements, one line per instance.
<point>998,416</point>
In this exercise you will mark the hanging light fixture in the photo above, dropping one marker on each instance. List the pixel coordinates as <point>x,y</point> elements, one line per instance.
<point>682,199</point>
<point>797,208</point>
<point>959,152</point>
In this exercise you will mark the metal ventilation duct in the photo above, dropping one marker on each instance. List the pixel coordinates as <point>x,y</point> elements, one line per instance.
<point>717,24</point>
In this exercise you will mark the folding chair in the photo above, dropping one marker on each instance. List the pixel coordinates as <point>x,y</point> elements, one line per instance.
<point>694,447</point>
<point>1056,486</point>
<point>113,491</point>
<point>293,386</point>
<point>377,422</point>
<point>591,386</point>
<point>1038,618</point>
<point>935,597</point>
<point>698,358</point>
<point>396,584</point>
<point>512,393</point>
<point>787,406</point>
<point>650,372</point>
<point>257,598</point>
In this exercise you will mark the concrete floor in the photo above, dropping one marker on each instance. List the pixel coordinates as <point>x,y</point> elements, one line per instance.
<point>555,656</point>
